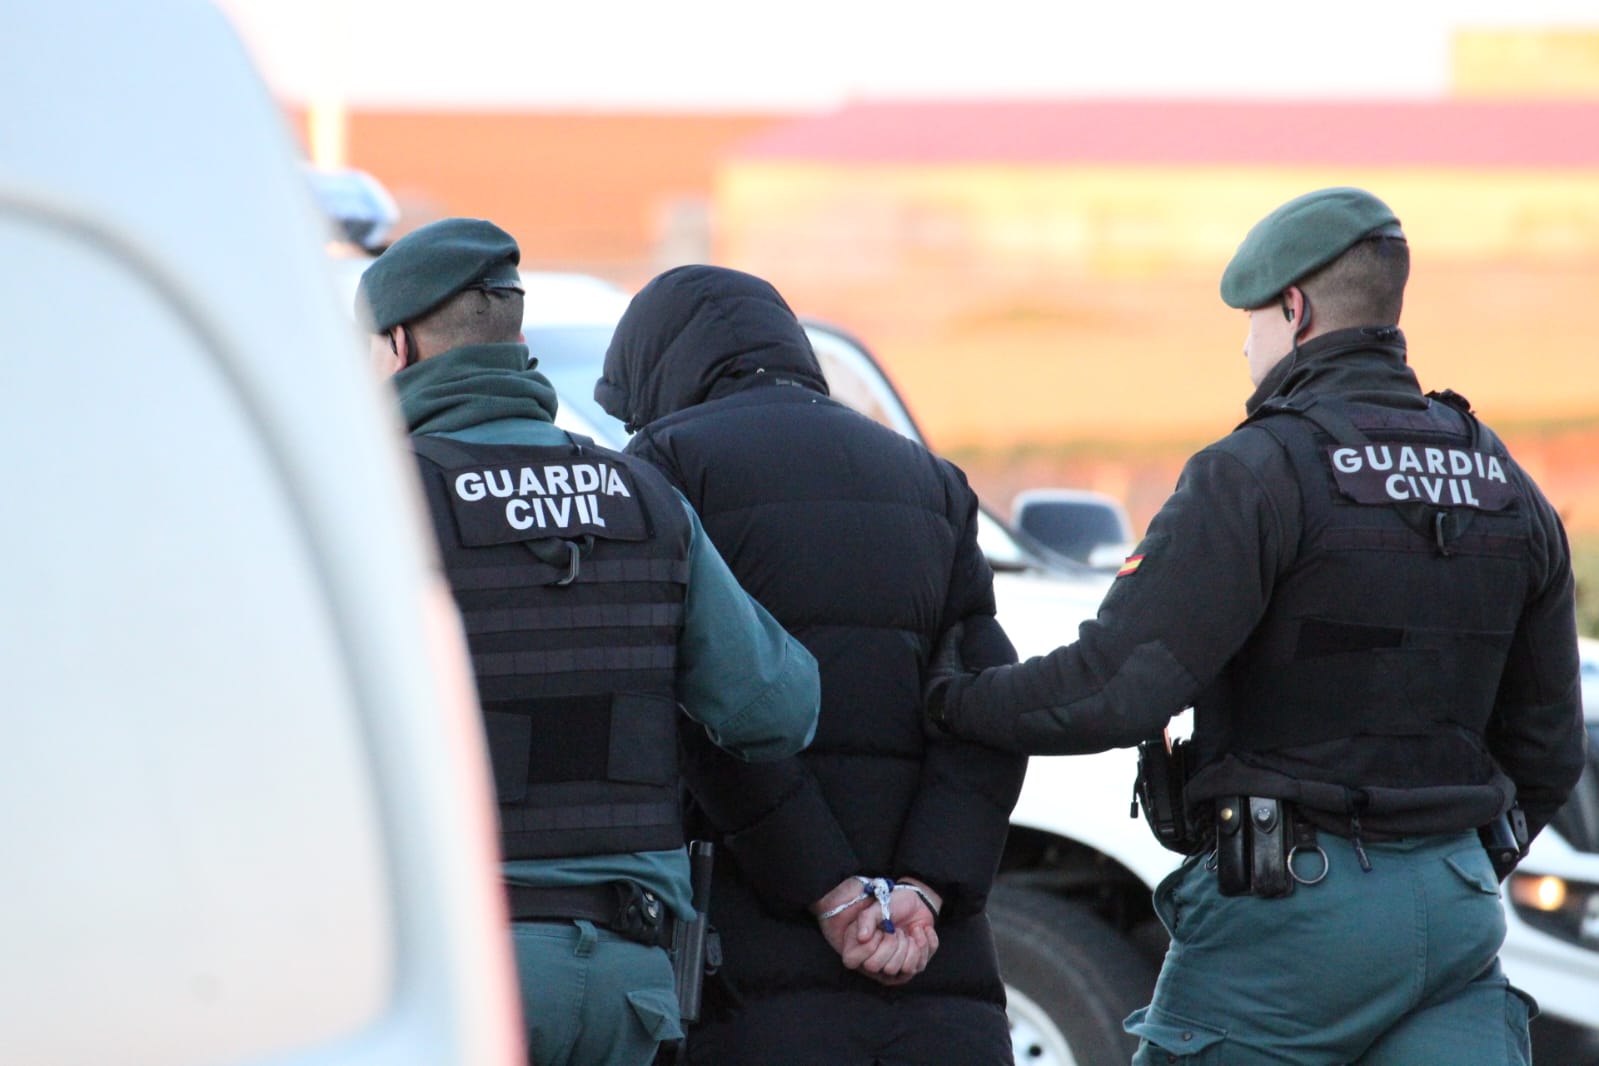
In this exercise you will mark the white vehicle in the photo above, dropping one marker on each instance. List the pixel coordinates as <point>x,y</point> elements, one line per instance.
<point>248,815</point>
<point>1552,905</point>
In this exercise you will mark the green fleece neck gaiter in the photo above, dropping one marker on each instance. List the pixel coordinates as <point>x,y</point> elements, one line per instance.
<point>468,386</point>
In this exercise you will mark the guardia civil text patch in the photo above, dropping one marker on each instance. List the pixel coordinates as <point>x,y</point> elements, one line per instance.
<point>564,498</point>
<point>1397,472</point>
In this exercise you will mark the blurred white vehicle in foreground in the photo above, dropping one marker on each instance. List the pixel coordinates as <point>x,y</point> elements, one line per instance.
<point>248,815</point>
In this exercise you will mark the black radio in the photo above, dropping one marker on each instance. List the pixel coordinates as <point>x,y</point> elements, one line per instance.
<point>1163,768</point>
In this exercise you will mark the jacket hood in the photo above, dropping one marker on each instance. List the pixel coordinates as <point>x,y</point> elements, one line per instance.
<point>696,333</point>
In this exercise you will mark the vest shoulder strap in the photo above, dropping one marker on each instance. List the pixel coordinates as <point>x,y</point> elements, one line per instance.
<point>447,452</point>
<point>441,451</point>
<point>1327,416</point>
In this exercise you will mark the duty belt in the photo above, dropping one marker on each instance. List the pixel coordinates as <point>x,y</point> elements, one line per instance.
<point>620,906</point>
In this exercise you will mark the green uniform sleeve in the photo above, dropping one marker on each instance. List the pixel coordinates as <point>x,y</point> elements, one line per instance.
<point>740,675</point>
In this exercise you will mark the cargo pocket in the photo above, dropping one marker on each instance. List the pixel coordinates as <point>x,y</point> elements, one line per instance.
<point>657,1011</point>
<point>1171,1038</point>
<point>1475,869</point>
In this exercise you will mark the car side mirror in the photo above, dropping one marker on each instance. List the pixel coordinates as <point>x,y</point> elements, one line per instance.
<point>1091,527</point>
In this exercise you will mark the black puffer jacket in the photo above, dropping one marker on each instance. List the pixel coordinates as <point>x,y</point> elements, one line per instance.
<point>863,544</point>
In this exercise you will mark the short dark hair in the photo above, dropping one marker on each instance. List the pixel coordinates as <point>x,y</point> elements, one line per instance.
<point>472,316</point>
<point>1365,286</point>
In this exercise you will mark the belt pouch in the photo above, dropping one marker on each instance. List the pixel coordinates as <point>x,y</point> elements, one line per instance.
<point>1232,857</point>
<point>1268,851</point>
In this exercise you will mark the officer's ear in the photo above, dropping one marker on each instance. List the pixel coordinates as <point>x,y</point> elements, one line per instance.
<point>1296,310</point>
<point>402,342</point>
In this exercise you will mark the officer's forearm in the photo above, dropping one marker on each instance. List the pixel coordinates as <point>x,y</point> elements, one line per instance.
<point>1055,706</point>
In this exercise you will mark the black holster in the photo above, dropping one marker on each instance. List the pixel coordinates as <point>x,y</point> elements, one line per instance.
<point>1254,837</point>
<point>1163,769</point>
<point>1505,839</point>
<point>692,941</point>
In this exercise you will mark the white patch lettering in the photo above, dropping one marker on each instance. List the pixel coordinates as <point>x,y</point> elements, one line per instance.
<point>500,487</point>
<point>469,486</point>
<point>516,514</point>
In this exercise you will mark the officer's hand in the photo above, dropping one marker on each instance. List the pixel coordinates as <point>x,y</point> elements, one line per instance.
<point>944,665</point>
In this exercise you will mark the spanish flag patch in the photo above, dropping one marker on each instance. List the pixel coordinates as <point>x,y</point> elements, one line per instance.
<point>1130,565</point>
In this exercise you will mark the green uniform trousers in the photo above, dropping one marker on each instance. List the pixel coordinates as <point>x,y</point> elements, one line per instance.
<point>591,997</point>
<point>1395,966</point>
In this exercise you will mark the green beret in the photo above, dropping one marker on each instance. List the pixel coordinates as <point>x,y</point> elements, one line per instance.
<point>1300,237</point>
<point>429,265</point>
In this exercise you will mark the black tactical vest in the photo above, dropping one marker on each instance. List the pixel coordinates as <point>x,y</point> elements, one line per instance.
<point>1397,617</point>
<point>569,565</point>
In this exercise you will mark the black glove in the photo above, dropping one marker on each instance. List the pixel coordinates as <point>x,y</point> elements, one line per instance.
<point>944,666</point>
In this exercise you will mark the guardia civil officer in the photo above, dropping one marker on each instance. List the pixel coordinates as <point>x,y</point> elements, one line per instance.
<point>864,545</point>
<point>594,607</point>
<point>1370,607</point>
